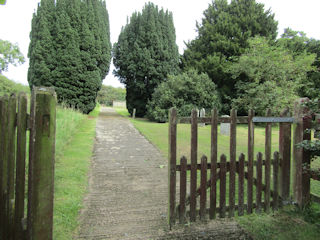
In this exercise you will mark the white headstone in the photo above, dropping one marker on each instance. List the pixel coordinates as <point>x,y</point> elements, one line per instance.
<point>202,115</point>
<point>225,127</point>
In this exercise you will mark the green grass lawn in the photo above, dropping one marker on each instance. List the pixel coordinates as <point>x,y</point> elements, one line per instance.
<point>288,223</point>
<point>74,139</point>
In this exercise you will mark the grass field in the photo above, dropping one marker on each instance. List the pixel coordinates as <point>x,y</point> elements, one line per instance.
<point>288,223</point>
<point>74,144</point>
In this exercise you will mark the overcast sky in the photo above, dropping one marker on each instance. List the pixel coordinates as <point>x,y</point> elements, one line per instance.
<point>16,15</point>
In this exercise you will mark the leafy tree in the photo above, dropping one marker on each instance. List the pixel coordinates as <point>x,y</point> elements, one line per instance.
<point>108,94</point>
<point>70,49</point>
<point>146,52</point>
<point>8,86</point>
<point>298,43</point>
<point>184,91</point>
<point>273,76</point>
<point>9,54</point>
<point>223,34</point>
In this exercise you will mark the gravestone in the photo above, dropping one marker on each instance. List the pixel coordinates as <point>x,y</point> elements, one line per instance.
<point>225,127</point>
<point>202,114</point>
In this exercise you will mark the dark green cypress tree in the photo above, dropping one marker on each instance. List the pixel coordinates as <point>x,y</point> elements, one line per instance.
<point>80,50</point>
<point>146,52</point>
<point>41,48</point>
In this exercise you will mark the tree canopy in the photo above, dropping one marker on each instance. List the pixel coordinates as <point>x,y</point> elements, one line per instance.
<point>223,34</point>
<point>272,75</point>
<point>70,49</point>
<point>184,91</point>
<point>9,54</point>
<point>146,52</point>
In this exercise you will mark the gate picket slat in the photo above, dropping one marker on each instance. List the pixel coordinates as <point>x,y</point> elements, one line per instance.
<point>259,183</point>
<point>194,153</point>
<point>20,163</point>
<point>250,161</point>
<point>275,180</point>
<point>203,186</point>
<point>241,185</point>
<point>223,170</point>
<point>11,159</point>
<point>232,175</point>
<point>268,163</point>
<point>3,167</point>
<point>172,165</point>
<point>183,189</point>
<point>214,156</point>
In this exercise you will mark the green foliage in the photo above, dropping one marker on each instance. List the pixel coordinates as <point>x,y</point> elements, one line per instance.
<point>146,52</point>
<point>70,49</point>
<point>184,91</point>
<point>9,54</point>
<point>108,94</point>
<point>7,87</point>
<point>223,34</point>
<point>269,76</point>
<point>298,44</point>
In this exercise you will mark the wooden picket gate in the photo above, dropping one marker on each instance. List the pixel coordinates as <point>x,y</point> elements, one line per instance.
<point>269,183</point>
<point>14,124</point>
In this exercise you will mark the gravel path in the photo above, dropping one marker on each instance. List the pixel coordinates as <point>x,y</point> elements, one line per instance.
<point>127,197</point>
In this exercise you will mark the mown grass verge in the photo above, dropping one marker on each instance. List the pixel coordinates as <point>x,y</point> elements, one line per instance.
<point>74,144</point>
<point>288,223</point>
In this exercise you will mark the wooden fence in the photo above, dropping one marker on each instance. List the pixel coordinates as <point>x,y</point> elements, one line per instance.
<point>267,178</point>
<point>15,122</point>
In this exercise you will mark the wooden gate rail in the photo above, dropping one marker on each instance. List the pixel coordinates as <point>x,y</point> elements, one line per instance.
<point>14,124</point>
<point>281,172</point>
<point>185,201</point>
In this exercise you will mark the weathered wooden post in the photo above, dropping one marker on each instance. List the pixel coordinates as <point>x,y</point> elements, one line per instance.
<point>250,161</point>
<point>301,158</point>
<point>285,155</point>
<point>172,165</point>
<point>41,163</point>
<point>193,172</point>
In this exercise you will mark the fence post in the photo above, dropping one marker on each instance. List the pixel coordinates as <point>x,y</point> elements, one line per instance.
<point>41,163</point>
<point>232,173</point>
<point>301,158</point>
<point>194,155</point>
<point>250,161</point>
<point>172,165</point>
<point>285,155</point>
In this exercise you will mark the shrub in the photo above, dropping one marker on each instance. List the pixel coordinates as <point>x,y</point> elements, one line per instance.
<point>184,91</point>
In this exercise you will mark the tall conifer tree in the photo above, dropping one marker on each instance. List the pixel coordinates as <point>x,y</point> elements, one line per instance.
<point>146,52</point>
<point>222,36</point>
<point>70,49</point>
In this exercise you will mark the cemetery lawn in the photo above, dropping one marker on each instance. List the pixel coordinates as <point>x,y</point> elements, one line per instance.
<point>288,223</point>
